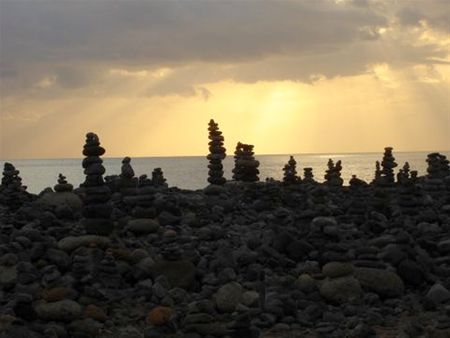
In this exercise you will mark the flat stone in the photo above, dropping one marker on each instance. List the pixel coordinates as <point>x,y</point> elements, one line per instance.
<point>340,290</point>
<point>71,243</point>
<point>143,226</point>
<point>337,269</point>
<point>64,310</point>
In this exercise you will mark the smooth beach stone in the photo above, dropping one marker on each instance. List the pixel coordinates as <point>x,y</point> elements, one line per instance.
<point>382,282</point>
<point>68,244</point>
<point>340,290</point>
<point>228,297</point>
<point>438,294</point>
<point>337,269</point>
<point>64,310</point>
<point>143,226</point>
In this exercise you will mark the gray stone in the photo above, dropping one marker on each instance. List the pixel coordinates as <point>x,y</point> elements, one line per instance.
<point>250,298</point>
<point>8,276</point>
<point>65,310</point>
<point>71,243</point>
<point>229,296</point>
<point>438,294</point>
<point>143,226</point>
<point>306,283</point>
<point>341,290</point>
<point>382,282</point>
<point>337,269</point>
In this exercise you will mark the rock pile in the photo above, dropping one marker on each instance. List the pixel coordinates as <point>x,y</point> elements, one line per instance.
<point>12,192</point>
<point>128,183</point>
<point>62,185</point>
<point>438,168</point>
<point>290,172</point>
<point>96,209</point>
<point>158,179</point>
<point>246,166</point>
<point>216,154</point>
<point>387,178</point>
<point>308,176</point>
<point>333,175</point>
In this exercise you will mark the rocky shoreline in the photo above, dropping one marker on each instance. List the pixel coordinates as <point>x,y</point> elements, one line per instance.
<point>127,256</point>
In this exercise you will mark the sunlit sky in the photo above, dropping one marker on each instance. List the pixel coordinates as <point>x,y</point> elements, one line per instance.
<point>294,76</point>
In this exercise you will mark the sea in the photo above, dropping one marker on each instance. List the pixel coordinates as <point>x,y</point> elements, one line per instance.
<point>191,172</point>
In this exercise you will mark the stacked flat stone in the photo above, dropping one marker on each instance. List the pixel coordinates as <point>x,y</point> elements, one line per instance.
<point>403,175</point>
<point>128,183</point>
<point>12,192</point>
<point>308,176</point>
<point>388,163</point>
<point>237,172</point>
<point>438,168</point>
<point>333,174</point>
<point>246,165</point>
<point>290,172</point>
<point>96,209</point>
<point>107,272</point>
<point>216,154</point>
<point>158,179</point>
<point>144,199</point>
<point>408,195</point>
<point>358,203</point>
<point>377,172</point>
<point>62,185</point>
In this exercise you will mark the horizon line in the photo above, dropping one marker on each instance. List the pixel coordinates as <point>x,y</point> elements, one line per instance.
<point>256,155</point>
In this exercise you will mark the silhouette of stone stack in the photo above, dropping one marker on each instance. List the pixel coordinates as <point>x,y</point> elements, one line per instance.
<point>246,167</point>
<point>377,172</point>
<point>290,172</point>
<point>96,209</point>
<point>333,175</point>
<point>158,179</point>
<point>128,183</point>
<point>438,168</point>
<point>144,199</point>
<point>216,154</point>
<point>62,185</point>
<point>308,176</point>
<point>358,199</point>
<point>404,174</point>
<point>388,163</point>
<point>12,192</point>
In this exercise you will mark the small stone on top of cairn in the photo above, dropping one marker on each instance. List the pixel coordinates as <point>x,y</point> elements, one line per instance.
<point>158,179</point>
<point>246,166</point>
<point>96,209</point>
<point>62,185</point>
<point>333,175</point>
<point>216,154</point>
<point>290,172</point>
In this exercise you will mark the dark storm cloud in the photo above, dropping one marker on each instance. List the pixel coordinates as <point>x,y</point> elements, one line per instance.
<point>74,41</point>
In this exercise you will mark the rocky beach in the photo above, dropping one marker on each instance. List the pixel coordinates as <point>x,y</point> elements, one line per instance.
<point>127,255</point>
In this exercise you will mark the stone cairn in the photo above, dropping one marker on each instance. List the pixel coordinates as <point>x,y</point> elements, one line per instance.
<point>144,199</point>
<point>377,172</point>
<point>62,185</point>
<point>158,179</point>
<point>358,199</point>
<point>216,154</point>
<point>96,209</point>
<point>290,172</point>
<point>403,175</point>
<point>246,166</point>
<point>388,163</point>
<point>12,192</point>
<point>384,184</point>
<point>438,168</point>
<point>333,174</point>
<point>128,182</point>
<point>308,176</point>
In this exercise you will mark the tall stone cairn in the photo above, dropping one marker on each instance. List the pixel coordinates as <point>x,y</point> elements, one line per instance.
<point>96,209</point>
<point>438,166</point>
<point>403,175</point>
<point>62,185</point>
<point>237,172</point>
<point>217,153</point>
<point>158,179</point>
<point>308,176</point>
<point>144,200</point>
<point>290,172</point>
<point>11,190</point>
<point>333,174</point>
<point>246,166</point>
<point>388,164</point>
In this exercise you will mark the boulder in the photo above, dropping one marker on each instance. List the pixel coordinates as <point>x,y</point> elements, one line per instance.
<point>438,294</point>
<point>337,269</point>
<point>340,290</point>
<point>228,297</point>
<point>60,199</point>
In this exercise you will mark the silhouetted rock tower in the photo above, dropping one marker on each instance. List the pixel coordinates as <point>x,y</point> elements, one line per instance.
<point>290,172</point>
<point>216,154</point>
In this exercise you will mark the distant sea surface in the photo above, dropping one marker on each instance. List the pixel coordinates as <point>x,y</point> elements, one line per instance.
<point>192,172</point>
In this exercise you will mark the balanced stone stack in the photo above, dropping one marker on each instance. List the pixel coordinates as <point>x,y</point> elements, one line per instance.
<point>246,167</point>
<point>333,175</point>
<point>438,168</point>
<point>358,199</point>
<point>12,193</point>
<point>237,173</point>
<point>216,154</point>
<point>308,176</point>
<point>387,178</point>
<point>96,209</point>
<point>403,174</point>
<point>62,185</point>
<point>128,183</point>
<point>144,199</point>
<point>377,172</point>
<point>409,196</point>
<point>290,172</point>
<point>158,179</point>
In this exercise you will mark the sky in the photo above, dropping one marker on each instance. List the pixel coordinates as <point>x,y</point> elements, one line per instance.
<point>297,76</point>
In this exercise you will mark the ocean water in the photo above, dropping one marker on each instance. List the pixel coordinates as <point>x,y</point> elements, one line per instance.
<point>192,172</point>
